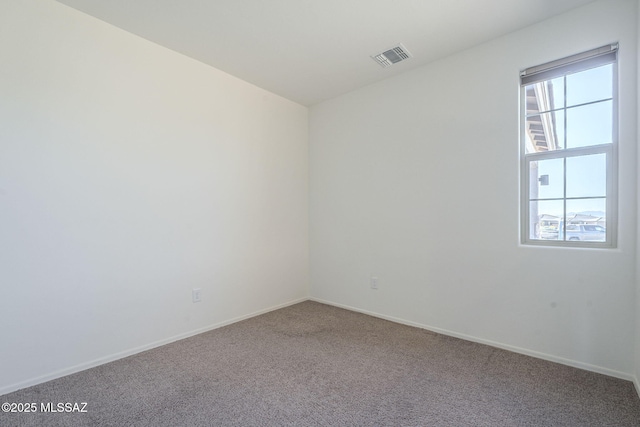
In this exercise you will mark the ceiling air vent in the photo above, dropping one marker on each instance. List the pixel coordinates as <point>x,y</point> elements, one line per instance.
<point>392,56</point>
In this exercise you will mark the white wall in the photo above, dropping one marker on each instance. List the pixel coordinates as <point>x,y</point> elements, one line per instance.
<point>637,338</point>
<point>130,174</point>
<point>415,180</point>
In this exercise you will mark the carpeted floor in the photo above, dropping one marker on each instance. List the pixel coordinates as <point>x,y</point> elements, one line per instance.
<point>316,365</point>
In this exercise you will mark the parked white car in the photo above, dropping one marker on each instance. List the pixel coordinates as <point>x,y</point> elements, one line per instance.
<point>586,232</point>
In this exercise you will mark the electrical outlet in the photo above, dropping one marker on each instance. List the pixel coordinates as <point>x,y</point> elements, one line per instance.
<point>196,295</point>
<point>374,283</point>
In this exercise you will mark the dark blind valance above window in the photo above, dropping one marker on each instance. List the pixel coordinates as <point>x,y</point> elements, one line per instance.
<point>581,61</point>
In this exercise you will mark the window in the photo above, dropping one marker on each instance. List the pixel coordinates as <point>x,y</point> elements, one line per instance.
<point>568,151</point>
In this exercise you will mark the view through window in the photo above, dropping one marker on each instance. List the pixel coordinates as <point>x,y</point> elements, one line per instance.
<point>568,149</point>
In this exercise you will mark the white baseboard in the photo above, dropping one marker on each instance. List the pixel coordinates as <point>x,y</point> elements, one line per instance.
<point>527,352</point>
<point>102,360</point>
<point>123,354</point>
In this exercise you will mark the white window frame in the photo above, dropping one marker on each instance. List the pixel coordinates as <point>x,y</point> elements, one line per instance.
<point>563,67</point>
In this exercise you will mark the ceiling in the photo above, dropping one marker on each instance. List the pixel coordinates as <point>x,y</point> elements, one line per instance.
<point>312,50</point>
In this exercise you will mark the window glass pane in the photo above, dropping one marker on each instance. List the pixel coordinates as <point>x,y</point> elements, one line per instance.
<point>589,125</point>
<point>547,179</point>
<point>590,85</point>
<point>545,132</point>
<point>591,207</point>
<point>545,96</point>
<point>587,176</point>
<point>586,220</point>
<point>545,218</point>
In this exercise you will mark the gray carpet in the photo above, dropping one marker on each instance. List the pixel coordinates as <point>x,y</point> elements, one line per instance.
<point>316,365</point>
